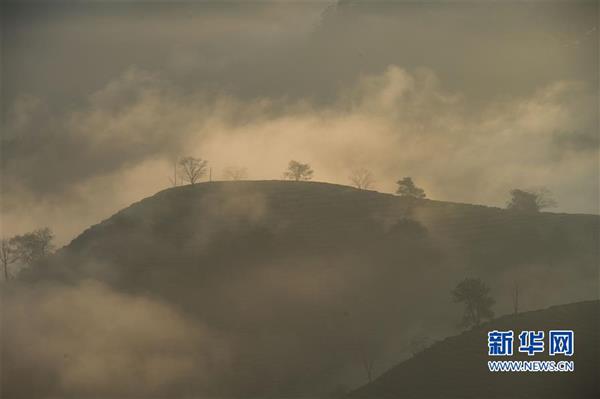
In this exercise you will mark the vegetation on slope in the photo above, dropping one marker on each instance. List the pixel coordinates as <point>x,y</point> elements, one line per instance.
<point>457,366</point>
<point>307,282</point>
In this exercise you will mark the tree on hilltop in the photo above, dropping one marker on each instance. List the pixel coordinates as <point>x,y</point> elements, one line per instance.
<point>192,169</point>
<point>298,171</point>
<point>361,178</point>
<point>530,201</point>
<point>407,188</point>
<point>235,173</point>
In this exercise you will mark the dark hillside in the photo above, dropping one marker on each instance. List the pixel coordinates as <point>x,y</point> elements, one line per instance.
<point>303,278</point>
<point>457,367</point>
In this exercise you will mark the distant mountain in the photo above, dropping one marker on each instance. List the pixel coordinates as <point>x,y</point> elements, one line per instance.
<point>457,367</point>
<point>302,279</point>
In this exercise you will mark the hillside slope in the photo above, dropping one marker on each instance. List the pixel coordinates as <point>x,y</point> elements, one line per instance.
<point>457,367</point>
<point>225,222</point>
<point>301,279</point>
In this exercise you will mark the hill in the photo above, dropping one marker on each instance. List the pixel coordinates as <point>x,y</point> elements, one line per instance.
<point>457,367</point>
<point>300,280</point>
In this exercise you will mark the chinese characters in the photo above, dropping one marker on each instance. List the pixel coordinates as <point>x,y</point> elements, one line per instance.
<point>560,342</point>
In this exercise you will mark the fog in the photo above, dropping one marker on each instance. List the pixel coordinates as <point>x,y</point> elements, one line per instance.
<point>264,288</point>
<point>395,123</point>
<point>271,289</point>
<point>469,99</point>
<point>86,340</point>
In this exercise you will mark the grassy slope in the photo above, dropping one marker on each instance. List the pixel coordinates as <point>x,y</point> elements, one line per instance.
<point>271,219</point>
<point>457,366</point>
<point>301,277</point>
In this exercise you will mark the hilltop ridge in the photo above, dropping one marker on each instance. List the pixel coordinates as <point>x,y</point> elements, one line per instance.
<point>299,276</point>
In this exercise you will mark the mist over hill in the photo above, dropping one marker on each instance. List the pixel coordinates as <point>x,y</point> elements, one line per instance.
<point>269,289</point>
<point>272,289</point>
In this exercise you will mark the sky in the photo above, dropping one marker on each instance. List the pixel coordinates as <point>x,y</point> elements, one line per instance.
<point>470,99</point>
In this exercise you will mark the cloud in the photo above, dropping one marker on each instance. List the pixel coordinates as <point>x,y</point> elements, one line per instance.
<point>227,321</point>
<point>90,340</point>
<point>396,123</point>
<point>401,123</point>
<point>131,119</point>
<point>85,132</point>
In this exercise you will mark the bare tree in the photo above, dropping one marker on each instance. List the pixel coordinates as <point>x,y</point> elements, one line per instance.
<point>407,188</point>
<point>361,178</point>
<point>192,169</point>
<point>8,255</point>
<point>367,359</point>
<point>530,201</point>
<point>31,247</point>
<point>298,171</point>
<point>173,179</point>
<point>235,173</point>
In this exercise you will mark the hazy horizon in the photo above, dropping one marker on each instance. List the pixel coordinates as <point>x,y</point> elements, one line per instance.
<point>471,99</point>
<point>290,289</point>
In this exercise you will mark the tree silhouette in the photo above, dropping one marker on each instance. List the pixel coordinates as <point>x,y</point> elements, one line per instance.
<point>361,178</point>
<point>192,169</point>
<point>173,179</point>
<point>366,355</point>
<point>298,171</point>
<point>530,201</point>
<point>475,295</point>
<point>235,173</point>
<point>407,188</point>
<point>8,255</point>
<point>31,247</point>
